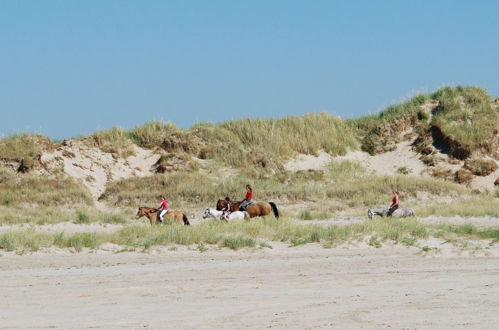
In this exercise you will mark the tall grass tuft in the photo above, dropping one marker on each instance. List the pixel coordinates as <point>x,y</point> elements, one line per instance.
<point>23,146</point>
<point>483,206</point>
<point>16,189</point>
<point>152,134</point>
<point>287,136</point>
<point>115,141</point>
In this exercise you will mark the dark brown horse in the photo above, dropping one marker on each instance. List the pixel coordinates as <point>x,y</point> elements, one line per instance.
<point>152,214</point>
<point>255,209</point>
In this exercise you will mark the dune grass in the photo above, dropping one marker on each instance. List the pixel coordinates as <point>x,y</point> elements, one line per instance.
<point>23,146</point>
<point>114,140</point>
<point>45,215</point>
<point>464,116</point>
<point>33,189</point>
<point>235,235</point>
<point>28,240</point>
<point>482,206</point>
<point>152,134</point>
<point>242,234</point>
<point>346,182</point>
<point>468,230</point>
<point>287,136</point>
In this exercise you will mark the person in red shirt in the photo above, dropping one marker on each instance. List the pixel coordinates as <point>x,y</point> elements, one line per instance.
<point>247,198</point>
<point>395,203</point>
<point>163,207</point>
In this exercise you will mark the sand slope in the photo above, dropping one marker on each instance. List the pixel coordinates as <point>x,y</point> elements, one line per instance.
<point>95,168</point>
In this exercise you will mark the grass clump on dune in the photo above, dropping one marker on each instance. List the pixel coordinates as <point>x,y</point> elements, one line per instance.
<point>17,189</point>
<point>115,141</point>
<point>466,116</point>
<point>460,119</point>
<point>152,134</point>
<point>23,146</point>
<point>261,142</point>
<point>287,136</point>
<point>483,206</point>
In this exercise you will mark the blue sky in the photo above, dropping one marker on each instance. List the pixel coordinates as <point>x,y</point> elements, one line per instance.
<point>68,68</point>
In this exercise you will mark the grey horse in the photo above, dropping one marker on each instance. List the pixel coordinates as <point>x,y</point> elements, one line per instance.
<point>382,210</point>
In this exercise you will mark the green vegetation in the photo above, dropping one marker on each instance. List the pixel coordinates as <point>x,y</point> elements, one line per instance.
<point>466,115</point>
<point>462,119</point>
<point>23,146</point>
<point>115,141</point>
<point>347,182</point>
<point>261,142</point>
<point>290,135</point>
<point>33,189</point>
<point>43,215</point>
<point>482,206</point>
<point>242,234</point>
<point>380,133</point>
<point>153,134</point>
<point>235,235</point>
<point>468,230</point>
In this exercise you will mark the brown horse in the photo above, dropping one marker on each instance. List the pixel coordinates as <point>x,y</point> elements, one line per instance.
<point>256,209</point>
<point>153,215</point>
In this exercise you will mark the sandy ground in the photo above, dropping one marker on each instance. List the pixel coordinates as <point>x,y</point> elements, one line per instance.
<point>306,287</point>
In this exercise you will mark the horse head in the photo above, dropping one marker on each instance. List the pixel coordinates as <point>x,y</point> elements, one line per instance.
<point>222,204</point>
<point>141,212</point>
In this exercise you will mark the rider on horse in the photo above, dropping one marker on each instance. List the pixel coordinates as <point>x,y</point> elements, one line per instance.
<point>247,199</point>
<point>395,203</point>
<point>163,207</point>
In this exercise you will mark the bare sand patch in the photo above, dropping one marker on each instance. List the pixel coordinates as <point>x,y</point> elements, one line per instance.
<point>284,288</point>
<point>309,162</point>
<point>95,168</point>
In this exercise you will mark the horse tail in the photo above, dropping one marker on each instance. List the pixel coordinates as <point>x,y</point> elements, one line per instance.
<point>275,210</point>
<point>186,221</point>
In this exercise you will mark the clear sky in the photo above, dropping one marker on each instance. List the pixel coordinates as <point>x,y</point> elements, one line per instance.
<point>68,68</point>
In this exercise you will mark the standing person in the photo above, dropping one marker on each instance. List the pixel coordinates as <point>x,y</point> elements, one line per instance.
<point>247,199</point>
<point>395,203</point>
<point>163,207</point>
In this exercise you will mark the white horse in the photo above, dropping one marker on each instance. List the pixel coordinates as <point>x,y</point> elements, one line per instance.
<point>382,210</point>
<point>224,215</point>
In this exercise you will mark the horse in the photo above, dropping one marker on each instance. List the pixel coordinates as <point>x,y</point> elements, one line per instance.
<point>221,214</point>
<point>255,209</point>
<point>382,210</point>
<point>153,215</point>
